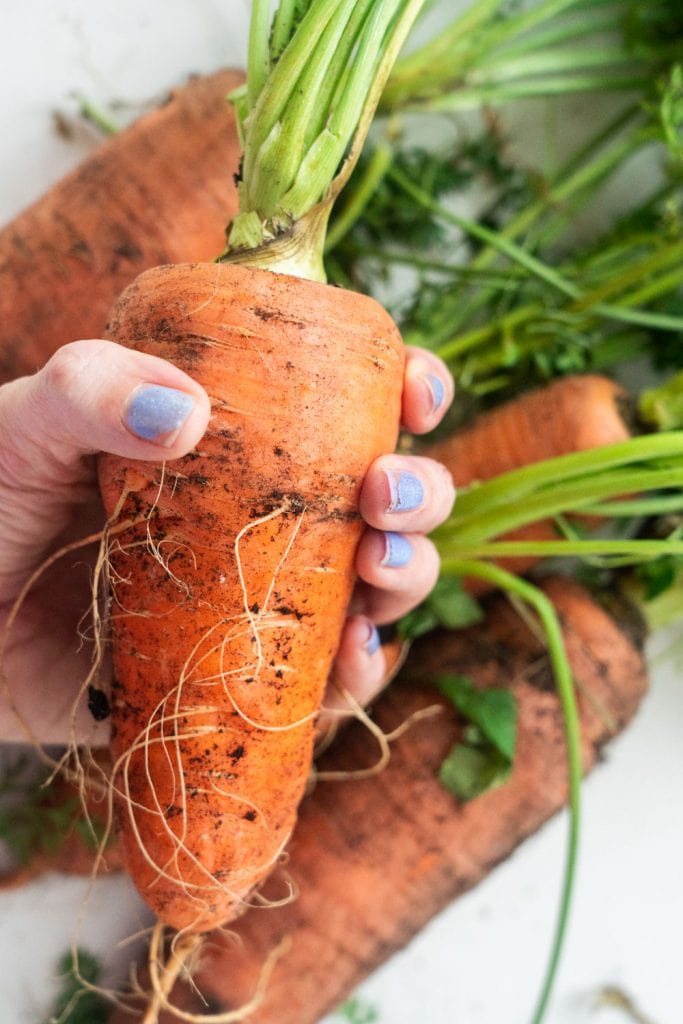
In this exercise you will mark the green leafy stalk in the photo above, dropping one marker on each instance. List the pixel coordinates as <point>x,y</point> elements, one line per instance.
<point>494,54</point>
<point>312,87</point>
<point>545,610</point>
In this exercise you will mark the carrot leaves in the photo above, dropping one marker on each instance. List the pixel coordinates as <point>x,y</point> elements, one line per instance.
<point>315,73</point>
<point>31,823</point>
<point>356,1011</point>
<point>448,605</point>
<point>483,758</point>
<point>77,1002</point>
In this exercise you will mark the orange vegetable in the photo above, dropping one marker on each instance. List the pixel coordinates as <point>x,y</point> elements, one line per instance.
<point>231,585</point>
<point>159,191</point>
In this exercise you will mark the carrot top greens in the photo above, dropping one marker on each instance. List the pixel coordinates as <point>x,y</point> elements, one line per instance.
<point>315,74</point>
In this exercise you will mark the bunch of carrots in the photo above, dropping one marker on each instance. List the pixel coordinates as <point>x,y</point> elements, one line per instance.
<point>316,74</point>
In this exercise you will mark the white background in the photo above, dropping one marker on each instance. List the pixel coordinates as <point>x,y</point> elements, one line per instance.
<point>481,961</point>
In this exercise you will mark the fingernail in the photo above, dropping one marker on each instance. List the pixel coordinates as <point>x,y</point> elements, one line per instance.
<point>155,413</point>
<point>373,642</point>
<point>397,550</point>
<point>436,389</point>
<point>406,492</point>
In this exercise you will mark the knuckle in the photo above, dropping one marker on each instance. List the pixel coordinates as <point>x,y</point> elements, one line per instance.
<point>66,372</point>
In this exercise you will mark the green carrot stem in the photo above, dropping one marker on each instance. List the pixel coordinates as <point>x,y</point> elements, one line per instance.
<point>257,59</point>
<point>496,239</point>
<point>358,200</point>
<point>313,84</point>
<point>551,63</point>
<point>475,95</point>
<point>103,121</point>
<point>640,270</point>
<point>572,728</point>
<point>659,505</point>
<point>549,502</point>
<point>636,550</point>
<point>517,484</point>
<point>592,22</point>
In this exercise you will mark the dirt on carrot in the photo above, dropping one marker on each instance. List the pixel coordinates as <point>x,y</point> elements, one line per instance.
<point>157,192</point>
<point>373,860</point>
<point>230,593</point>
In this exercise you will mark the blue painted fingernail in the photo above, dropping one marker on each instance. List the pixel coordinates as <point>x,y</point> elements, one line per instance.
<point>397,550</point>
<point>373,642</point>
<point>155,413</point>
<point>437,390</point>
<point>406,492</point>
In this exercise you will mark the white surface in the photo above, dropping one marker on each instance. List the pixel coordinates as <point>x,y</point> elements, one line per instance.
<point>482,960</point>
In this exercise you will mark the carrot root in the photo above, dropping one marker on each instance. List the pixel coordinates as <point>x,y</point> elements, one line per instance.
<point>245,552</point>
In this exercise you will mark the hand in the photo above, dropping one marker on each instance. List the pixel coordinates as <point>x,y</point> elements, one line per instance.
<point>51,426</point>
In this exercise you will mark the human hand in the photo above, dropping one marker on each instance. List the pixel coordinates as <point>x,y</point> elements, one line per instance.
<point>51,427</point>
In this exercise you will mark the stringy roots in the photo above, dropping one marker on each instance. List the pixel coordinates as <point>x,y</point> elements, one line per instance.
<point>80,768</point>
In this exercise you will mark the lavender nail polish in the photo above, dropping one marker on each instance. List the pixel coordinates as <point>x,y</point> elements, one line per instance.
<point>406,492</point>
<point>373,642</point>
<point>437,390</point>
<point>398,550</point>
<point>154,412</point>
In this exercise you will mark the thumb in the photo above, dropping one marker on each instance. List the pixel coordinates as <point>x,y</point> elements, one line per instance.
<point>91,396</point>
<point>97,396</point>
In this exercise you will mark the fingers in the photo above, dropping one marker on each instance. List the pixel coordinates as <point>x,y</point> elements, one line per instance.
<point>402,499</point>
<point>427,391</point>
<point>98,396</point>
<point>358,673</point>
<point>397,571</point>
<point>406,494</point>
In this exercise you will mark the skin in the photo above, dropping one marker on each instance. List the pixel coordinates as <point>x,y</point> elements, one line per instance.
<point>51,426</point>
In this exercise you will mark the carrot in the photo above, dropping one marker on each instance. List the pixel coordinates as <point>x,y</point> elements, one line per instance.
<point>232,568</point>
<point>569,414</point>
<point>374,859</point>
<point>156,192</point>
<point>240,571</point>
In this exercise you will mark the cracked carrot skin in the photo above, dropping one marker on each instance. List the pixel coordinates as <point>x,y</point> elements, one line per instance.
<point>230,593</point>
<point>159,191</point>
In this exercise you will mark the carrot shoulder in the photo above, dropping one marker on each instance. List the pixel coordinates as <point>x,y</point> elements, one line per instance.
<point>159,191</point>
<point>231,590</point>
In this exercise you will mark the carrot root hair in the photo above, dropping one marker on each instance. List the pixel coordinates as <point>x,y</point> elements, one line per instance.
<point>183,952</point>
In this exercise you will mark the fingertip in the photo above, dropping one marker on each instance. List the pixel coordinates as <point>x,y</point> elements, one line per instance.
<point>360,664</point>
<point>170,418</point>
<point>96,395</point>
<point>428,391</point>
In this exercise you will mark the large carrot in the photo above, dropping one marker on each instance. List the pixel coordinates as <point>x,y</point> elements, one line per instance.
<point>231,582</point>
<point>234,586</point>
<point>374,859</point>
<point>570,414</point>
<point>159,191</point>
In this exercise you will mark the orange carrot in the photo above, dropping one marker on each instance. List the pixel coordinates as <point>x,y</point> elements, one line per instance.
<point>569,414</point>
<point>159,191</point>
<point>231,591</point>
<point>374,859</point>
<point>232,568</point>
